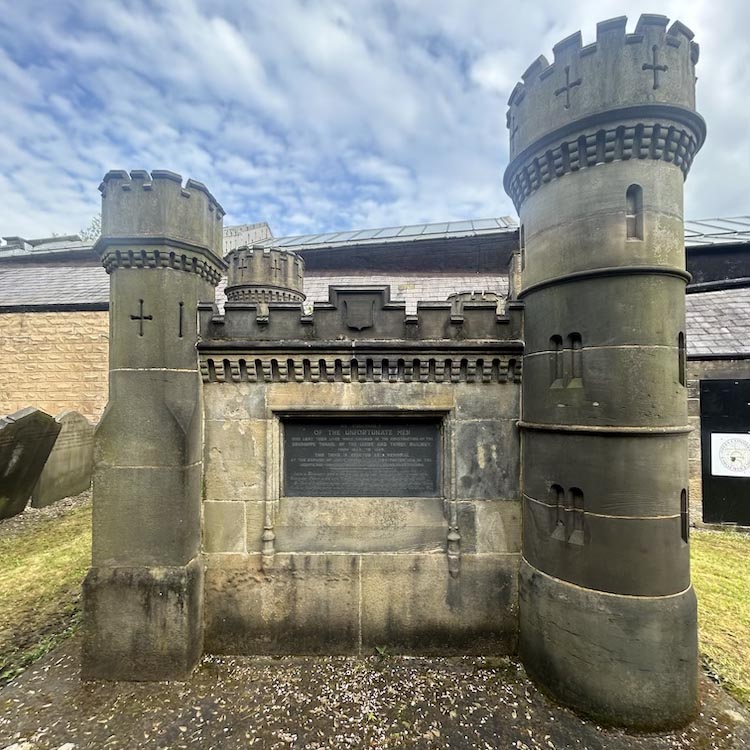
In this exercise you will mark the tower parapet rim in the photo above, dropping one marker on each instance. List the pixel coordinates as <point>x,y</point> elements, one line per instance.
<point>265,274</point>
<point>143,206</point>
<point>655,64</point>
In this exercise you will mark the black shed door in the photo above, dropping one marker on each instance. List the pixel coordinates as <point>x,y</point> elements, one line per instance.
<point>725,451</point>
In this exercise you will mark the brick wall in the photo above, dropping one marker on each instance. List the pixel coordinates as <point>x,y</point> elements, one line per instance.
<point>718,369</point>
<point>54,361</point>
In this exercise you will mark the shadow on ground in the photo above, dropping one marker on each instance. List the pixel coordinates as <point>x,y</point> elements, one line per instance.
<point>325,702</point>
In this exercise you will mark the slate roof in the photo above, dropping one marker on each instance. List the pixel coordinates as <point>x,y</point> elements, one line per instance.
<point>718,322</point>
<point>53,286</point>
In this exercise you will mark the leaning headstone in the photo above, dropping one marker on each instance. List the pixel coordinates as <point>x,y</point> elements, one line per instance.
<point>68,468</point>
<point>26,439</point>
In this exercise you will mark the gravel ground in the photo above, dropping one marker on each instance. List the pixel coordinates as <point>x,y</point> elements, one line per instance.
<point>325,702</point>
<point>31,517</point>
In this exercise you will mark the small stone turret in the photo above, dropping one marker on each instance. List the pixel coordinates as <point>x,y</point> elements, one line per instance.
<point>161,244</point>
<point>265,274</point>
<point>601,141</point>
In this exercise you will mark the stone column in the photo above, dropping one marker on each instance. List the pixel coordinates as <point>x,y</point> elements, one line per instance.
<point>601,142</point>
<point>161,244</point>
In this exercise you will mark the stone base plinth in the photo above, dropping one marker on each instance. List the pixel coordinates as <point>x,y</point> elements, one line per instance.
<point>142,623</point>
<point>625,660</point>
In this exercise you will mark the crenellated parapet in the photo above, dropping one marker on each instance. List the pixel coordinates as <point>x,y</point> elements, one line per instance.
<point>265,274</point>
<point>357,314</point>
<point>360,336</point>
<point>142,211</point>
<point>625,96</point>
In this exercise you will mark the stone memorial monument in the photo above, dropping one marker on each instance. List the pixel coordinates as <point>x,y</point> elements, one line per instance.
<point>274,480</point>
<point>26,439</point>
<point>67,471</point>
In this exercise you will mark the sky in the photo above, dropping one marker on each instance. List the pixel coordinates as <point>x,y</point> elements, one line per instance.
<point>315,115</point>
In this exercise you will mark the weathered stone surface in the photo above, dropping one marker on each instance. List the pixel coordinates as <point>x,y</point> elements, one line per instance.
<point>651,319</point>
<point>619,482</point>
<point>26,439</point>
<point>309,600</point>
<point>243,401</point>
<point>370,524</point>
<point>369,396</point>
<point>167,531</point>
<point>472,402</point>
<point>152,317</point>
<point>487,459</point>
<point>621,385</point>
<point>306,604</point>
<point>622,659</point>
<point>348,604</point>
<point>153,419</point>
<point>412,604</point>
<point>143,597</point>
<point>652,558</point>
<point>142,623</point>
<point>158,205</point>
<point>235,459</point>
<point>602,224</point>
<point>490,526</point>
<point>224,526</point>
<point>258,274</point>
<point>358,313</point>
<point>68,469</point>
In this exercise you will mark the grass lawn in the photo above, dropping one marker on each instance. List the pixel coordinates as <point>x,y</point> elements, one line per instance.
<point>721,576</point>
<point>44,562</point>
<point>43,565</point>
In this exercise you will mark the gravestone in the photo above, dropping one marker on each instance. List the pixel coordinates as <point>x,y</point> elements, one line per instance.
<point>68,468</point>
<point>26,439</point>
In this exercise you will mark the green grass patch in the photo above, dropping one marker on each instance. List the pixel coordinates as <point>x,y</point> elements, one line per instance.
<point>40,584</point>
<point>721,576</point>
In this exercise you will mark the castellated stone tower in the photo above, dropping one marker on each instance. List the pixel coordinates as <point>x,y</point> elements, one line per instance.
<point>265,274</point>
<point>601,141</point>
<point>161,244</point>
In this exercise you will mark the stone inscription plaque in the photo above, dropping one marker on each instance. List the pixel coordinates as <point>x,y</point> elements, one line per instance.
<point>361,458</point>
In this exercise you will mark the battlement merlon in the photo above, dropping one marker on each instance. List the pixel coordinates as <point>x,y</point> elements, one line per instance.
<point>655,65</point>
<point>139,206</point>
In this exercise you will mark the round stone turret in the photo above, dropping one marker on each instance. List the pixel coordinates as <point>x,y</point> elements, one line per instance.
<point>601,141</point>
<point>265,274</point>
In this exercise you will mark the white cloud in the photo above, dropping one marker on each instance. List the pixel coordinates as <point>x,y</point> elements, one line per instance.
<point>312,116</point>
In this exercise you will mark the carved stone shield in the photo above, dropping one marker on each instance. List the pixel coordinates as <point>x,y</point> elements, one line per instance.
<point>358,313</point>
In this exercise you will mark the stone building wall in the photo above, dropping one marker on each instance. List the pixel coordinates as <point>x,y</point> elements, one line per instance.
<point>351,573</point>
<point>54,361</point>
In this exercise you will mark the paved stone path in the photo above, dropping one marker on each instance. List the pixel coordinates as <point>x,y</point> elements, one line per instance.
<point>325,702</point>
